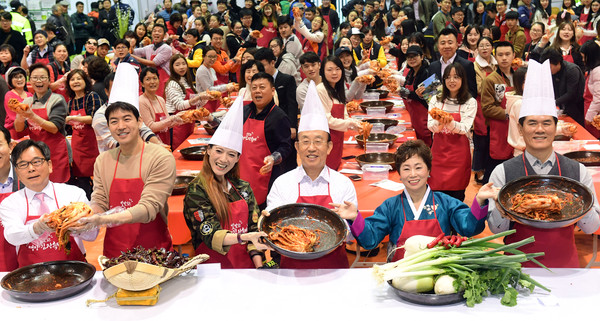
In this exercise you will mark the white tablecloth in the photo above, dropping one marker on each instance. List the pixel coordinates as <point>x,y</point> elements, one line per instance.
<point>352,294</point>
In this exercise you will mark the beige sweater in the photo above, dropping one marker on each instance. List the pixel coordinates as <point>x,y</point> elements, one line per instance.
<point>158,174</point>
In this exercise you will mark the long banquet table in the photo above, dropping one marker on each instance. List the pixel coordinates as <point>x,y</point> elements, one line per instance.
<point>350,294</point>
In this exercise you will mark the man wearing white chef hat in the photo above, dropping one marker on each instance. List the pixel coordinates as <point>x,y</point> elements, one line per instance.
<point>136,176</point>
<point>219,207</point>
<point>314,182</point>
<point>537,124</point>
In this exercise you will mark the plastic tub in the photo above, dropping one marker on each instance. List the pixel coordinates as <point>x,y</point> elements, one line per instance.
<point>375,172</point>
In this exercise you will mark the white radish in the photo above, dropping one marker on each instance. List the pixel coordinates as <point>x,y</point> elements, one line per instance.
<point>445,285</point>
<point>416,244</point>
<point>417,284</point>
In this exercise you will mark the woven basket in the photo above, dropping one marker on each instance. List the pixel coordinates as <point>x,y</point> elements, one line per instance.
<point>137,276</point>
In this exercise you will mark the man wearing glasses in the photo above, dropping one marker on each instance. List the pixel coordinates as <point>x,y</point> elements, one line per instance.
<point>122,55</point>
<point>91,45</point>
<point>22,213</point>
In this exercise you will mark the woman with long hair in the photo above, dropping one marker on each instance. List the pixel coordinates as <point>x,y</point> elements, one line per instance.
<point>565,42</point>
<point>450,136</point>
<point>181,95</point>
<point>468,49</point>
<point>541,14</point>
<point>591,22</point>
<point>332,93</point>
<point>249,69</point>
<point>536,32</point>
<point>221,212</point>
<point>141,33</point>
<point>591,96</point>
<point>269,24</point>
<point>286,62</point>
<point>16,77</point>
<point>314,39</point>
<point>234,38</point>
<point>206,77</point>
<point>202,27</point>
<point>83,103</point>
<point>354,88</point>
<point>415,104</point>
<point>153,108</point>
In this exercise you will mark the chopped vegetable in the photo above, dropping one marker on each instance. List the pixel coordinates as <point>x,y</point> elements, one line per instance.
<point>477,266</point>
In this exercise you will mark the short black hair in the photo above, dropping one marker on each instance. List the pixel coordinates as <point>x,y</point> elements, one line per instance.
<point>6,16</point>
<point>121,105</point>
<point>10,49</point>
<point>512,15</point>
<point>175,17</point>
<point>213,31</point>
<point>86,80</point>
<point>499,44</point>
<point>107,80</point>
<point>284,20</point>
<point>590,49</point>
<point>553,55</point>
<point>265,54</point>
<point>446,32</point>
<point>122,42</point>
<point>522,120</point>
<point>245,12</point>
<point>49,26</point>
<point>411,148</point>
<point>98,69</point>
<point>13,74</point>
<point>193,32</point>
<point>310,57</point>
<point>505,2</point>
<point>263,75</point>
<point>24,145</point>
<point>144,72</point>
<point>164,28</point>
<point>78,3</point>
<point>249,65</point>
<point>456,10</point>
<point>491,7</point>
<point>311,9</point>
<point>39,65</point>
<point>222,2</point>
<point>6,133</point>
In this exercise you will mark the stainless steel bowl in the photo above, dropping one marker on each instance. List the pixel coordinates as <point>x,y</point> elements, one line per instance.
<point>377,138</point>
<point>377,159</point>
<point>387,104</point>
<point>585,157</point>
<point>429,298</point>
<point>181,184</point>
<point>194,152</point>
<point>387,122</point>
<point>308,216</point>
<point>548,184</point>
<point>48,281</point>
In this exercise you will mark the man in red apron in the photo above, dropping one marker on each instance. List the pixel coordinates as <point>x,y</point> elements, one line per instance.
<point>9,183</point>
<point>537,123</point>
<point>136,178</point>
<point>493,106</point>
<point>267,139</point>
<point>22,212</point>
<point>156,55</point>
<point>313,182</point>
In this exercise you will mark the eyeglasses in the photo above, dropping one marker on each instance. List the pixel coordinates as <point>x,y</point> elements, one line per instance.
<point>36,162</point>
<point>92,43</point>
<point>36,79</point>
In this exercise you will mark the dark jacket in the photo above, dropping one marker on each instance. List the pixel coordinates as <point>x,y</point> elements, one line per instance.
<point>569,84</point>
<point>286,91</point>
<point>83,27</point>
<point>436,68</point>
<point>416,80</point>
<point>15,39</point>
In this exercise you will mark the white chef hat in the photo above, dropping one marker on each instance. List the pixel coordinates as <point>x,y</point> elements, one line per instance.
<point>230,131</point>
<point>538,94</point>
<point>126,86</point>
<point>313,115</point>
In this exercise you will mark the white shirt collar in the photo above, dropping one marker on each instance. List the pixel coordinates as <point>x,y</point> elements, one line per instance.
<point>275,74</point>
<point>451,60</point>
<point>417,213</point>
<point>10,175</point>
<point>302,176</point>
<point>48,190</point>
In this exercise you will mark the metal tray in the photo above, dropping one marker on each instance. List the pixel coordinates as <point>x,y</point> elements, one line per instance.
<point>429,298</point>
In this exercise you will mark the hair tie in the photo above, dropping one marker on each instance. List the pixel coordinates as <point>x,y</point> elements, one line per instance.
<point>563,14</point>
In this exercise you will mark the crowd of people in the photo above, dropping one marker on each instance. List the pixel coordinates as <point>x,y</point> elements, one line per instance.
<point>98,78</point>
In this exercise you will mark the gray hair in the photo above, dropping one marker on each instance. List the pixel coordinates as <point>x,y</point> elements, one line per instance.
<point>55,8</point>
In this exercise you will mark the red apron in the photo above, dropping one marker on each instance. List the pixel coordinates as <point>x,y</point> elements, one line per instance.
<point>584,17</point>
<point>48,251</point>
<point>255,150</point>
<point>58,146</point>
<point>62,89</point>
<point>163,77</point>
<point>568,57</point>
<point>450,175</point>
<point>182,132</point>
<point>237,257</point>
<point>479,126</point>
<point>499,146</point>
<point>44,61</point>
<point>334,159</point>
<point>430,227</point>
<point>127,192</point>
<point>268,33</point>
<point>418,117</point>
<point>334,260</point>
<point>329,41</point>
<point>8,252</point>
<point>160,115</point>
<point>84,153</point>
<point>558,244</point>
<point>587,100</point>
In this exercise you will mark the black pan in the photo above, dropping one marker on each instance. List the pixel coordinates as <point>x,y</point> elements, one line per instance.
<point>181,184</point>
<point>545,184</point>
<point>584,157</point>
<point>377,159</point>
<point>429,298</point>
<point>387,104</point>
<point>209,129</point>
<point>38,282</point>
<point>377,138</point>
<point>562,138</point>
<point>387,122</point>
<point>382,93</point>
<point>311,217</point>
<point>194,152</point>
